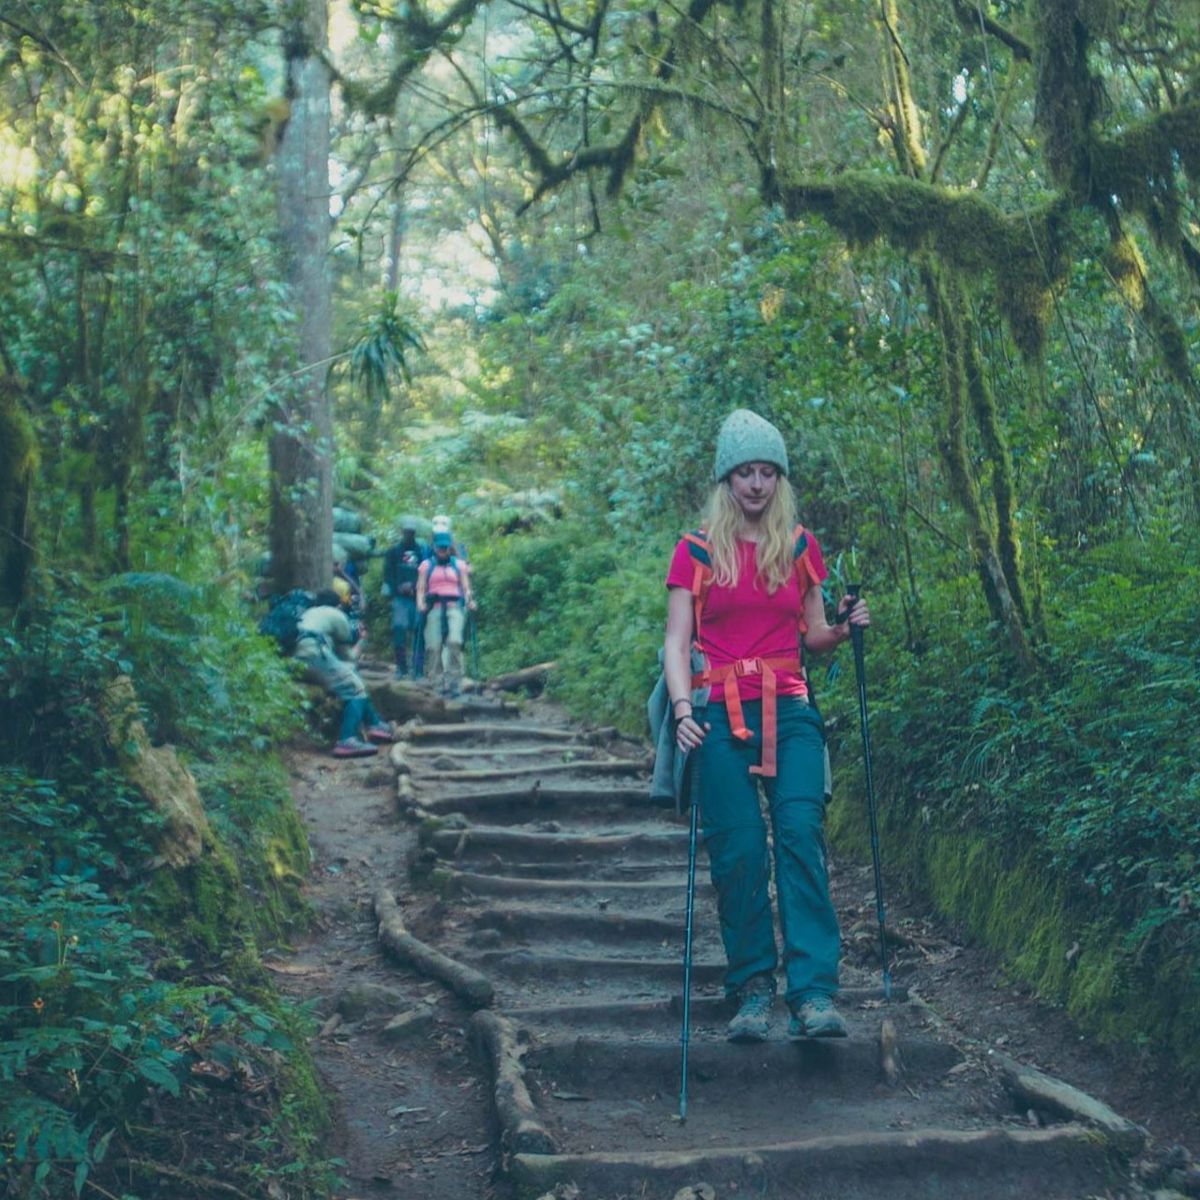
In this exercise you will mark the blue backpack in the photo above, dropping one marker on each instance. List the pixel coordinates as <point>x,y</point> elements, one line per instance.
<point>282,621</point>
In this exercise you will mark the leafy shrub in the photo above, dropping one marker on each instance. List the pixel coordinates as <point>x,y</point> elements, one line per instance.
<point>96,1014</point>
<point>86,1029</point>
<point>207,680</point>
<point>1077,781</point>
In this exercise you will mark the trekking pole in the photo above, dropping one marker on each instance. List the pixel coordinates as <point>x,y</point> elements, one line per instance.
<point>475,645</point>
<point>689,789</point>
<point>856,635</point>
<point>418,663</point>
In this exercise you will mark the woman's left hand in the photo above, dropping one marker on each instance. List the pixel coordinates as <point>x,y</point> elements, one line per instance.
<point>860,614</point>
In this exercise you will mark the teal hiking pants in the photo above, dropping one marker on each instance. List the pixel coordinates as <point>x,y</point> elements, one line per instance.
<point>735,836</point>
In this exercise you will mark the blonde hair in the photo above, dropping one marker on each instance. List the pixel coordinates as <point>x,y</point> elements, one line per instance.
<point>776,545</point>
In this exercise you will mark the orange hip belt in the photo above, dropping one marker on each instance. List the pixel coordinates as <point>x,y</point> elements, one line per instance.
<point>728,676</point>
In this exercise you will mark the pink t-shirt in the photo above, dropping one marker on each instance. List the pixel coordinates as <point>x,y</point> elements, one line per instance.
<point>441,580</point>
<point>746,621</point>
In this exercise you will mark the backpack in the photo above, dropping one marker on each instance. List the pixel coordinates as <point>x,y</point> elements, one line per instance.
<point>282,621</point>
<point>452,563</point>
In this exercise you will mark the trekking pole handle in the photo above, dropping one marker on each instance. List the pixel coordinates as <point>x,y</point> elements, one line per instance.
<point>856,631</point>
<point>852,590</point>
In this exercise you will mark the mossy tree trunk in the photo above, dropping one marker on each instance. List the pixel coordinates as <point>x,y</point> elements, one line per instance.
<point>994,534</point>
<point>965,390</point>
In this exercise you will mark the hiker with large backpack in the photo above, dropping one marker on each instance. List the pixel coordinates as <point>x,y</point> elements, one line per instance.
<point>745,591</point>
<point>443,598</point>
<point>401,564</point>
<point>325,643</point>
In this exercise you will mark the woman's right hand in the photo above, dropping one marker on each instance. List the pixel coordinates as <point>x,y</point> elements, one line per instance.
<point>689,733</point>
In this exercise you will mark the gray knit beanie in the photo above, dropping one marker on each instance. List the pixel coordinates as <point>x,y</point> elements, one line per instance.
<point>747,437</point>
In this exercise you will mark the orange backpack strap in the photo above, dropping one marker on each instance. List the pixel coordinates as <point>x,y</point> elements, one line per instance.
<point>806,577</point>
<point>702,576</point>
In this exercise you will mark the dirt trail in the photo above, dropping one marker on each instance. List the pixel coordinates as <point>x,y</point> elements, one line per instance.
<point>525,849</point>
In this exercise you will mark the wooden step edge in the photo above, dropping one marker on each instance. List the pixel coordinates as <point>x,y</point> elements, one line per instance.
<point>534,771</point>
<point>854,1063</point>
<point>419,732</point>
<point>850,1166</point>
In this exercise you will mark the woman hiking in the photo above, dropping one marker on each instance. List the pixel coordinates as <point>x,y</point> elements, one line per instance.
<point>443,599</point>
<point>742,591</point>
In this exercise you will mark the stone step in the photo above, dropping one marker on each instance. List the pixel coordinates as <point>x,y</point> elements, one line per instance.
<point>667,845</point>
<point>655,974</point>
<point>523,804</point>
<point>663,1016</point>
<point>575,891</point>
<point>845,1067</point>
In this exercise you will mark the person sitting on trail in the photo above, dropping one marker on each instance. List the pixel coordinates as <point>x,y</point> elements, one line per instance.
<point>325,644</point>
<point>443,595</point>
<point>741,591</point>
<point>400,568</point>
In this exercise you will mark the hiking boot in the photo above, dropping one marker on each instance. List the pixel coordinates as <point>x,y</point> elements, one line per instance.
<point>753,1020</point>
<point>381,733</point>
<point>817,1017</point>
<point>354,748</point>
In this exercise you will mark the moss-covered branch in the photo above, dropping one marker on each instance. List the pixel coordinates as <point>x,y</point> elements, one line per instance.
<point>1025,254</point>
<point>1140,168</point>
<point>999,460</point>
<point>907,138</point>
<point>972,18</point>
<point>420,36</point>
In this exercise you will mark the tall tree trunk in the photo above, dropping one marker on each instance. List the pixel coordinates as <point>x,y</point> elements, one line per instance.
<point>301,446</point>
<point>18,469</point>
<point>391,282</point>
